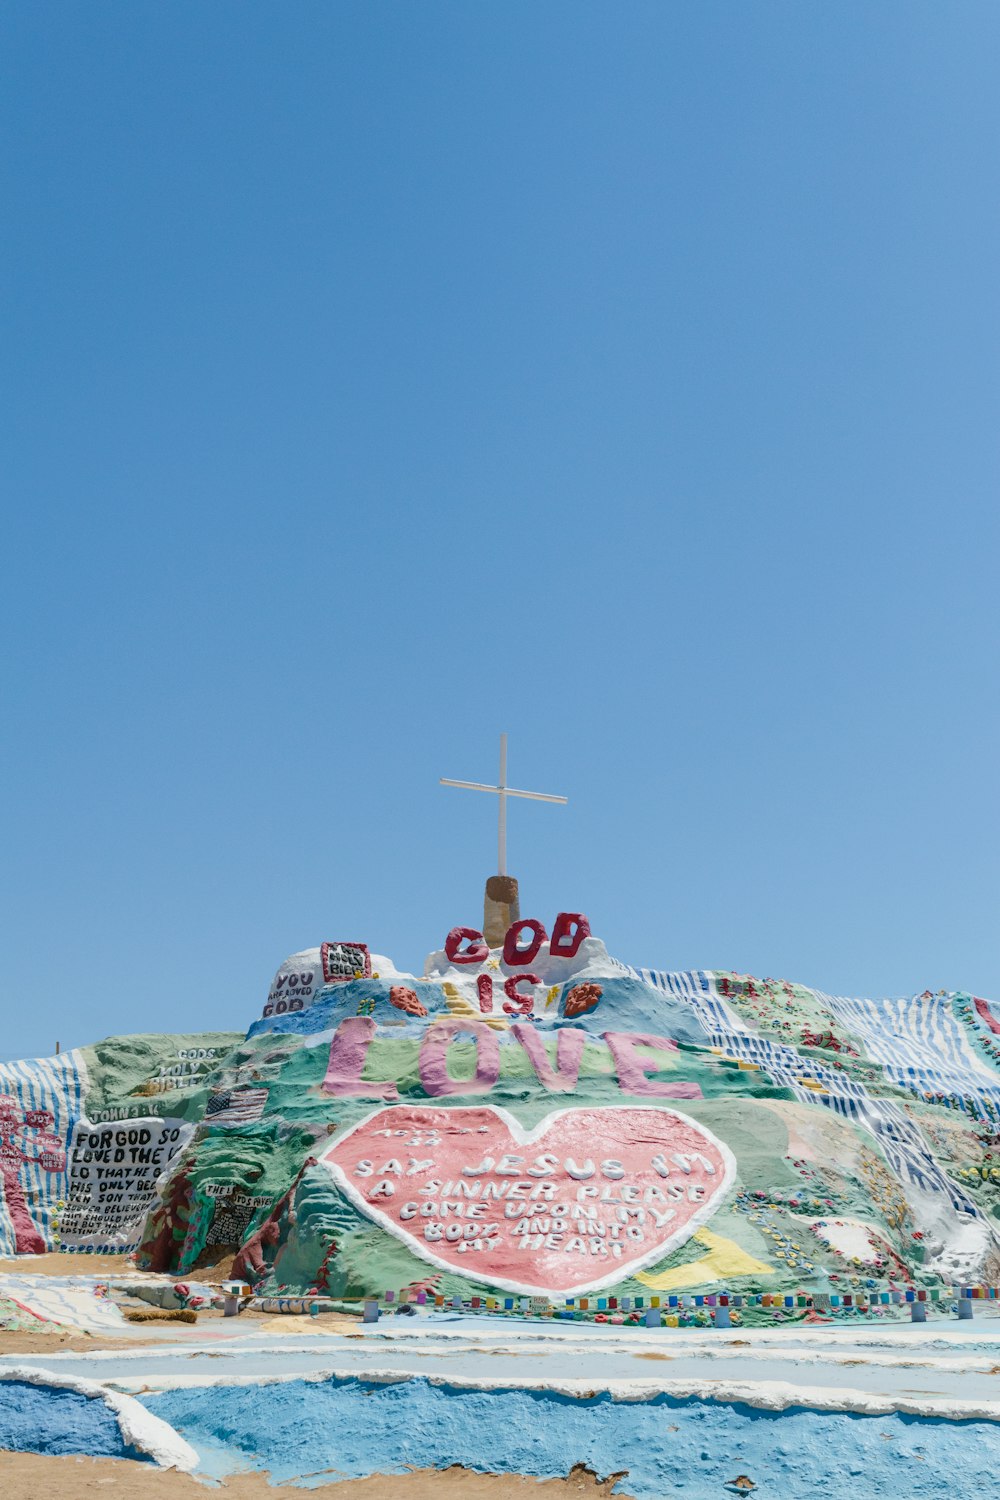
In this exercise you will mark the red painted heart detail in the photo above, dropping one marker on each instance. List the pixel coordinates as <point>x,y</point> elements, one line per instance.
<point>584,1200</point>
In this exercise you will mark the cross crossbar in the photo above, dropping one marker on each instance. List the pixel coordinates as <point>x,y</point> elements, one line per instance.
<point>508,791</point>
<point>503,791</point>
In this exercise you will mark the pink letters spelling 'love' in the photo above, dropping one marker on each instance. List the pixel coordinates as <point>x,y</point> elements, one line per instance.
<point>584,1199</point>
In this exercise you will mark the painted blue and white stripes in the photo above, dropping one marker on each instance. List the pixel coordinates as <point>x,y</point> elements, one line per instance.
<point>899,1137</point>
<point>57,1084</point>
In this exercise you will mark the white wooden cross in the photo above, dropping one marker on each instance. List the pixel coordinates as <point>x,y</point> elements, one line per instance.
<point>503,791</point>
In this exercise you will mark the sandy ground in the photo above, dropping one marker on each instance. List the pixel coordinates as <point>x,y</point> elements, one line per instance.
<point>49,1337</point>
<point>29,1476</point>
<point>101,1265</point>
<point>66,1265</point>
<point>29,1342</point>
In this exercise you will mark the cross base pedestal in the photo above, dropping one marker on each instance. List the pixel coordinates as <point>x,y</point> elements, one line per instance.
<point>500,908</point>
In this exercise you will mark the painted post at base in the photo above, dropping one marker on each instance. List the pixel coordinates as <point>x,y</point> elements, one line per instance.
<point>501,908</point>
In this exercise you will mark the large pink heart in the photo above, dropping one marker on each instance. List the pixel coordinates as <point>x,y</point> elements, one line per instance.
<point>585,1199</point>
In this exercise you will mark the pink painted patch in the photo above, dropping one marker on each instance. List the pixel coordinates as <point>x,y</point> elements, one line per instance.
<point>585,1199</point>
<point>985,1014</point>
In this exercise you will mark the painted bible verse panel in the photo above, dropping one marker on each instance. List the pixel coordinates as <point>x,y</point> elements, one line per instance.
<point>113,1172</point>
<point>584,1199</point>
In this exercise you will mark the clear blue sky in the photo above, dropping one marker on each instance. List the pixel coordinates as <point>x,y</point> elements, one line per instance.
<point>381,376</point>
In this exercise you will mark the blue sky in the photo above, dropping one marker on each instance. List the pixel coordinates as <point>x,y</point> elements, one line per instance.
<point>378,377</point>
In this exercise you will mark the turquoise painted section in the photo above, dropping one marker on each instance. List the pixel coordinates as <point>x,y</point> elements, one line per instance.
<point>626,1004</point>
<point>683,1448</point>
<point>338,1001</point>
<point>46,1419</point>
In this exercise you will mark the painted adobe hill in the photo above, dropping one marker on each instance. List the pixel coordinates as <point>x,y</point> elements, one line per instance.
<point>540,1118</point>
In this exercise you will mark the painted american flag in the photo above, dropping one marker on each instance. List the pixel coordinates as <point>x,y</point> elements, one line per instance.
<point>235,1107</point>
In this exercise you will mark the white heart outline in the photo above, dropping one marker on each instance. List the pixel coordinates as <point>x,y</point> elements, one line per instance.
<point>525,1137</point>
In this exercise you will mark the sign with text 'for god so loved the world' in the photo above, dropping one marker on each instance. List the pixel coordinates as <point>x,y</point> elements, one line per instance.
<point>583,1200</point>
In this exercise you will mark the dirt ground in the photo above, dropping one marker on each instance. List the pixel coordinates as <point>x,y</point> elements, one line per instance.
<point>29,1476</point>
<point>65,1265</point>
<point>29,1342</point>
<point>56,1264</point>
<point>49,1337</point>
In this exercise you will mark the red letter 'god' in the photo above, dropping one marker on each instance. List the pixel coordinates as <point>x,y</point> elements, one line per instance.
<point>515,957</point>
<point>569,932</point>
<point>476,953</point>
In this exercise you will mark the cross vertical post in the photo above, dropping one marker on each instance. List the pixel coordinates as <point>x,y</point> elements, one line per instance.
<point>501,906</point>
<point>502,820</point>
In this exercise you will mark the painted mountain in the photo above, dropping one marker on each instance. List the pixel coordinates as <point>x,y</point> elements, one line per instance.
<point>540,1118</point>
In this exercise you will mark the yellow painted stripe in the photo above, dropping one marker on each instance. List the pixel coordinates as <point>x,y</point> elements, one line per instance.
<point>724,1259</point>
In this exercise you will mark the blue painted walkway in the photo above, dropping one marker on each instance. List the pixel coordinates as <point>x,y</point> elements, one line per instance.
<point>317,1432</point>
